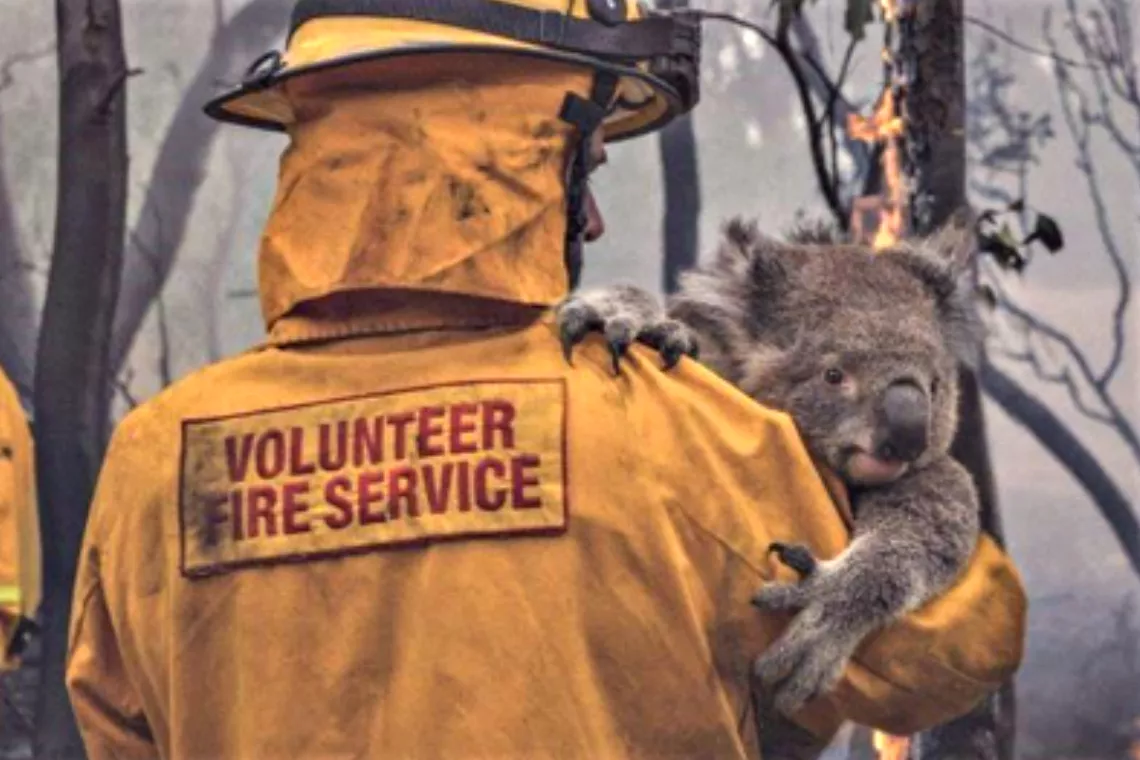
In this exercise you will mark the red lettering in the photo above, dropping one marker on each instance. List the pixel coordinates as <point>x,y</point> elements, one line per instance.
<point>498,415</point>
<point>401,422</point>
<point>428,431</point>
<point>328,460</point>
<point>270,458</point>
<point>438,490</point>
<point>459,426</point>
<point>464,481</point>
<point>369,493</point>
<point>335,491</point>
<point>262,500</point>
<point>237,460</point>
<point>236,513</point>
<point>487,499</point>
<point>297,463</point>
<point>523,477</point>
<point>402,488</point>
<point>361,440</point>
<point>292,506</point>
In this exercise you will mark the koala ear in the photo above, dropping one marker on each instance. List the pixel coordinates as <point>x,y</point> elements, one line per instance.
<point>941,263</point>
<point>751,259</point>
<point>735,251</point>
<point>955,242</point>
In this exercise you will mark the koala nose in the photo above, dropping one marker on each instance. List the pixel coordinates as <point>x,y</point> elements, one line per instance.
<point>903,413</point>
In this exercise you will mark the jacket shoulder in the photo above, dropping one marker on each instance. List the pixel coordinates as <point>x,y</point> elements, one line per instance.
<point>740,471</point>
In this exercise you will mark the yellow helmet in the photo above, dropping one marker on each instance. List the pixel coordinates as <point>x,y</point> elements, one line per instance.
<point>651,60</point>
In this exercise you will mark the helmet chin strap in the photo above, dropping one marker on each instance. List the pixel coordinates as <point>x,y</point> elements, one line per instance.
<point>586,115</point>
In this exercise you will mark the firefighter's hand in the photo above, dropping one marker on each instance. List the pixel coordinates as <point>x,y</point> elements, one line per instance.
<point>623,314</point>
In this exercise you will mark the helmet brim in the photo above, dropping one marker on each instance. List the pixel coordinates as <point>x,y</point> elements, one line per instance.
<point>263,104</point>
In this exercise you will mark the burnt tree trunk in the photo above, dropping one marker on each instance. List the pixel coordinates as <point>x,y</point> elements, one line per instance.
<point>17,321</point>
<point>71,396</point>
<point>931,43</point>
<point>680,225</point>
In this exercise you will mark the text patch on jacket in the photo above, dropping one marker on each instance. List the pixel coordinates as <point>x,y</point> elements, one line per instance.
<point>355,474</point>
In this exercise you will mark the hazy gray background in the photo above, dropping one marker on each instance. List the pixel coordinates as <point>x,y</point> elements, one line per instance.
<point>1082,673</point>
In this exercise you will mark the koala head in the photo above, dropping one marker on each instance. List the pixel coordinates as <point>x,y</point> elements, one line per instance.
<point>860,348</point>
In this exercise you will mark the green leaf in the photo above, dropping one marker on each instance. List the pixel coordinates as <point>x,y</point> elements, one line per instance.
<point>1004,248</point>
<point>1006,235</point>
<point>858,16</point>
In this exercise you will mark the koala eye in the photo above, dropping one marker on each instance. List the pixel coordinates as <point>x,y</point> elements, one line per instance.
<point>833,375</point>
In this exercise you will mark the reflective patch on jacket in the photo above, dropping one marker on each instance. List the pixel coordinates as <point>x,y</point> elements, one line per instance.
<point>300,483</point>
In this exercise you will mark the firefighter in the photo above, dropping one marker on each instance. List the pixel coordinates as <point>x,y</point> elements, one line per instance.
<point>19,529</point>
<point>404,527</point>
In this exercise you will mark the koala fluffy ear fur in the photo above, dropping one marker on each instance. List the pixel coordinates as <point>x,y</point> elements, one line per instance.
<point>942,262</point>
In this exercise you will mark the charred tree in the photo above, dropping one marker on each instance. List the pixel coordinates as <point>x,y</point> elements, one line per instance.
<point>680,225</point>
<point>71,398</point>
<point>931,61</point>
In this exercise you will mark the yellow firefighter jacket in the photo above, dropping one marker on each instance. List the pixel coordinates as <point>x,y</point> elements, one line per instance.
<point>19,522</point>
<point>406,528</point>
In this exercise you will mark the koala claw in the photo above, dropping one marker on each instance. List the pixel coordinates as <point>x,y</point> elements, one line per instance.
<point>618,349</point>
<point>620,334</point>
<point>573,326</point>
<point>672,340</point>
<point>796,556</point>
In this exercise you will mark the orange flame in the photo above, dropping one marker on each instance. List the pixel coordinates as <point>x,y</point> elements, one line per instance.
<point>891,747</point>
<point>885,125</point>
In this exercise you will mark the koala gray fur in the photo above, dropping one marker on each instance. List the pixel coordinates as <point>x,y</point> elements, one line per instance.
<point>861,349</point>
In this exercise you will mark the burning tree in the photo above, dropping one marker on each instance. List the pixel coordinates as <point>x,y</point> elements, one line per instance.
<point>910,174</point>
<point>913,180</point>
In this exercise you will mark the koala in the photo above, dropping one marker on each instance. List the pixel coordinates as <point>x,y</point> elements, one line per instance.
<point>862,350</point>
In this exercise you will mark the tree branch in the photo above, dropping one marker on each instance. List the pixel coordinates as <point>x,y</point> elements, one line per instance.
<point>1079,130</point>
<point>1067,449</point>
<point>779,41</point>
<point>1113,417</point>
<point>1023,46</point>
<point>180,168</point>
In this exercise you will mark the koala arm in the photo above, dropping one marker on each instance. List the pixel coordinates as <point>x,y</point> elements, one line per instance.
<point>937,662</point>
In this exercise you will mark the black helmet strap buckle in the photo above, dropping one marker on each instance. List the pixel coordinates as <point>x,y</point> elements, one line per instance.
<point>586,115</point>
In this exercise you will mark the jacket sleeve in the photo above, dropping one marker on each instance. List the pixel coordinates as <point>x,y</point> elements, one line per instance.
<point>108,707</point>
<point>19,524</point>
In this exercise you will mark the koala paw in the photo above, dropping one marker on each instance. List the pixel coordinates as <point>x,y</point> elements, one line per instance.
<point>623,315</point>
<point>805,663</point>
